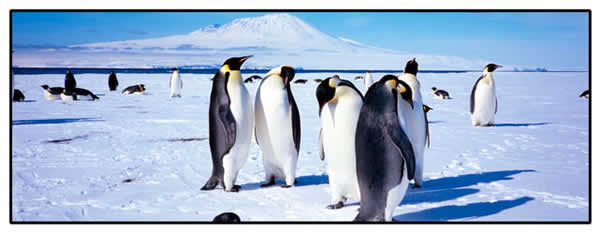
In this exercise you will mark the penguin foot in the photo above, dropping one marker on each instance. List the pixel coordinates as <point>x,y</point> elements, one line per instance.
<point>336,206</point>
<point>235,189</point>
<point>416,186</point>
<point>271,183</point>
<point>286,186</point>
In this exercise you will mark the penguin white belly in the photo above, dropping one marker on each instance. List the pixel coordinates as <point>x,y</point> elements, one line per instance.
<point>274,133</point>
<point>85,98</point>
<point>415,118</point>
<point>396,194</point>
<point>485,104</point>
<point>66,98</point>
<point>176,85</point>
<point>338,145</point>
<point>241,108</point>
<point>50,96</point>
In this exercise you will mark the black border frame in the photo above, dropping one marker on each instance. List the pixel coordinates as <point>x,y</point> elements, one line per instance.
<point>589,221</point>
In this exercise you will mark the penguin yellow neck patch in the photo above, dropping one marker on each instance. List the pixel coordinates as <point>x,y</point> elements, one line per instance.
<point>225,68</point>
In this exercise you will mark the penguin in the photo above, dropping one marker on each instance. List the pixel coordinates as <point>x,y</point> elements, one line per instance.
<point>112,81</point>
<point>231,120</point>
<point>255,77</point>
<point>358,78</point>
<point>135,89</point>
<point>484,103</point>
<point>78,94</point>
<point>426,109</point>
<point>18,96</point>
<point>585,94</point>
<point>227,217</point>
<point>339,106</point>
<point>368,81</point>
<point>415,126</point>
<point>300,81</point>
<point>385,161</point>
<point>52,93</point>
<point>318,81</point>
<point>278,126</point>
<point>248,80</point>
<point>176,84</point>
<point>440,93</point>
<point>70,82</point>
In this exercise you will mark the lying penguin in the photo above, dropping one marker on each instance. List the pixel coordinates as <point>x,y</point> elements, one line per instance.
<point>440,94</point>
<point>18,96</point>
<point>134,89</point>
<point>52,93</point>
<point>78,94</point>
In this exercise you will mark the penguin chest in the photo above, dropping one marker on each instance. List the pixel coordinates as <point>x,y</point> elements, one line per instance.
<point>50,96</point>
<point>175,84</point>
<point>485,101</point>
<point>274,125</point>
<point>67,98</point>
<point>339,122</point>
<point>241,109</point>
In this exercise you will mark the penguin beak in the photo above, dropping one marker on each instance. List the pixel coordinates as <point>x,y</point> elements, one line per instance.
<point>243,59</point>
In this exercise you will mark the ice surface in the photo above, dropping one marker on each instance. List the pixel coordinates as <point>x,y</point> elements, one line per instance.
<point>125,158</point>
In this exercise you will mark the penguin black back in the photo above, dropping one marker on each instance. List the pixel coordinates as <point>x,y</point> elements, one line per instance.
<point>112,81</point>
<point>70,82</point>
<point>18,96</point>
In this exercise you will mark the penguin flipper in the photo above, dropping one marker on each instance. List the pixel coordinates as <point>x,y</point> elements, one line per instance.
<point>473,94</point>
<point>496,111</point>
<point>427,137</point>
<point>295,119</point>
<point>321,151</point>
<point>402,143</point>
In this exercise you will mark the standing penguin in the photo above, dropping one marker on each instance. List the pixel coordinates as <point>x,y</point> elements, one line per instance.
<point>339,107</point>
<point>484,103</point>
<point>70,83</point>
<point>112,81</point>
<point>385,161</point>
<point>368,81</point>
<point>230,124</point>
<point>416,126</point>
<point>176,84</point>
<point>278,126</point>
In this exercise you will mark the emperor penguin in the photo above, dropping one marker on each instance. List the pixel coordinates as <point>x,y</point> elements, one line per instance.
<point>415,125</point>
<point>52,93</point>
<point>484,103</point>
<point>18,96</point>
<point>230,121</point>
<point>339,106</point>
<point>78,94</point>
<point>227,217</point>
<point>176,84</point>
<point>385,161</point>
<point>135,89</point>
<point>112,81</point>
<point>440,93</point>
<point>70,82</point>
<point>278,126</point>
<point>585,94</point>
<point>368,81</point>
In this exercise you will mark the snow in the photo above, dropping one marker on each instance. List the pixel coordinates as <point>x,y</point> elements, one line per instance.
<point>275,38</point>
<point>145,157</point>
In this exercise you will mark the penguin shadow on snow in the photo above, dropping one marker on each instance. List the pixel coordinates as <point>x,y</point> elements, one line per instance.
<point>54,121</point>
<point>450,188</point>
<point>519,124</point>
<point>300,181</point>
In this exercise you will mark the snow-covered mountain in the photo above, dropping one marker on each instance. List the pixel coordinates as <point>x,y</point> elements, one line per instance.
<point>274,39</point>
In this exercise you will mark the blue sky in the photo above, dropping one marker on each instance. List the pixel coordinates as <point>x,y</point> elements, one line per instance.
<point>547,39</point>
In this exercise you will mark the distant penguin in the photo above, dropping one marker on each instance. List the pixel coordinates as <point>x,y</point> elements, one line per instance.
<point>52,93</point>
<point>368,81</point>
<point>255,77</point>
<point>416,126</point>
<point>176,84</point>
<point>484,103</point>
<point>358,78</point>
<point>318,81</point>
<point>70,82</point>
<point>135,89</point>
<point>112,81</point>
<point>227,217</point>
<point>78,94</point>
<point>248,80</point>
<point>585,94</point>
<point>230,121</point>
<point>426,109</point>
<point>18,96</point>
<point>339,106</point>
<point>278,126</point>
<point>300,81</point>
<point>385,161</point>
<point>440,93</point>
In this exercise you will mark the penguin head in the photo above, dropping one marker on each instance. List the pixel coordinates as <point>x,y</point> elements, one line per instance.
<point>398,87</point>
<point>332,89</point>
<point>45,87</point>
<point>227,217</point>
<point>411,67</point>
<point>235,63</point>
<point>175,69</point>
<point>359,78</point>
<point>491,67</point>
<point>434,89</point>
<point>285,72</point>
<point>426,108</point>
